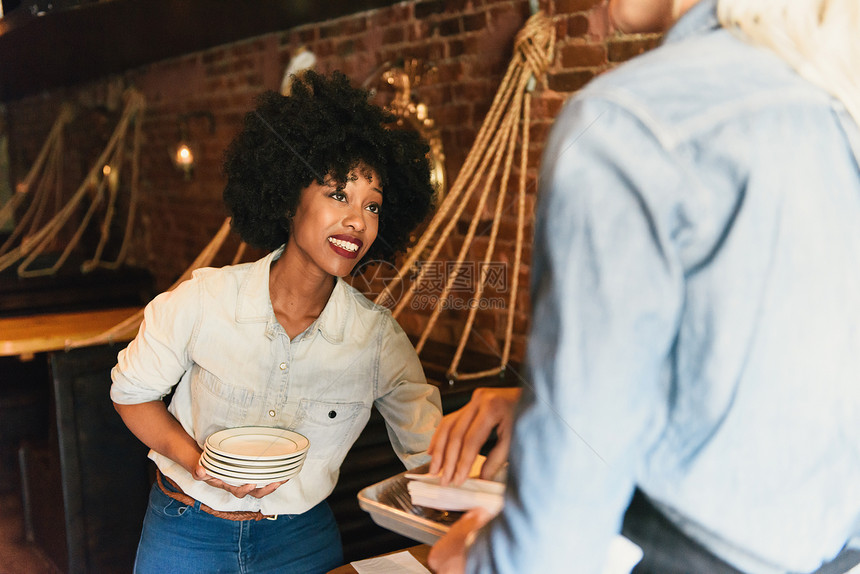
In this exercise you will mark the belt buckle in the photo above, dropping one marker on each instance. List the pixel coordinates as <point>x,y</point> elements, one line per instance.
<point>272,517</point>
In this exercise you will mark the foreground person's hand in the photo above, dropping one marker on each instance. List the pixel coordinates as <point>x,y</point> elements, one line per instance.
<point>461,434</point>
<point>237,491</point>
<point>448,555</point>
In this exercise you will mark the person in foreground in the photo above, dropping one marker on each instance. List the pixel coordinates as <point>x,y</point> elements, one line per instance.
<point>696,291</point>
<point>317,178</point>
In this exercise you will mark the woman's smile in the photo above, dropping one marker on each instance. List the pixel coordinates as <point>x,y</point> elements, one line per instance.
<point>345,245</point>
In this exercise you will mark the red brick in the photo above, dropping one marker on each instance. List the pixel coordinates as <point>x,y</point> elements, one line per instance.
<point>450,26</point>
<point>345,27</point>
<point>453,6</point>
<point>393,35</point>
<point>425,9</point>
<point>568,6</point>
<point>624,48</point>
<point>381,18</point>
<point>545,106</point>
<point>576,26</point>
<point>455,48</point>
<point>426,52</point>
<point>475,22</point>
<point>569,81</point>
<point>583,56</point>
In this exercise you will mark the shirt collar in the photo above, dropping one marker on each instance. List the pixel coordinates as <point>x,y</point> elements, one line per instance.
<point>698,20</point>
<point>255,305</point>
<point>332,321</point>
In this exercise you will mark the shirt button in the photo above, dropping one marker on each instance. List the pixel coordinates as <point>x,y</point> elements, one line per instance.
<point>332,414</point>
<point>272,413</point>
<point>282,366</point>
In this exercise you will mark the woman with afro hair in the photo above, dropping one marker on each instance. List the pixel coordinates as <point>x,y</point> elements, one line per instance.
<point>318,179</point>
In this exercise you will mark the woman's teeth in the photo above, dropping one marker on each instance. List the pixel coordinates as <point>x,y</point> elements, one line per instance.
<point>343,244</point>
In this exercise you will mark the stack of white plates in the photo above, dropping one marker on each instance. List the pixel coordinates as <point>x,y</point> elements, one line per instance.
<point>254,455</point>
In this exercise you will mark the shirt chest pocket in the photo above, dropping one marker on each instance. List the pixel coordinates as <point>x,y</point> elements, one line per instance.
<point>331,427</point>
<point>216,403</point>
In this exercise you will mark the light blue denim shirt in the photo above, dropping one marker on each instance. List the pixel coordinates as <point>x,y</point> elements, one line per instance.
<point>216,335</point>
<point>696,325</point>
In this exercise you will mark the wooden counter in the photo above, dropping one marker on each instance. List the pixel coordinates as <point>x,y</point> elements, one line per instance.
<point>32,334</point>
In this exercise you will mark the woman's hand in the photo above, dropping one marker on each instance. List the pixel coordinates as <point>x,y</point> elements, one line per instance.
<point>461,434</point>
<point>153,424</point>
<point>448,555</point>
<point>200,473</point>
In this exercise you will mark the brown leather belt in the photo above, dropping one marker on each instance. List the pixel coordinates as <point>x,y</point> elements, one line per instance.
<point>180,496</point>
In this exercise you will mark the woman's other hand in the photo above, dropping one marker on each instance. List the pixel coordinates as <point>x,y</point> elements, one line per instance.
<point>448,555</point>
<point>237,491</point>
<point>461,434</point>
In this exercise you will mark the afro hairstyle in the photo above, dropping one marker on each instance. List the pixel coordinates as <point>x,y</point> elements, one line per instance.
<point>324,129</point>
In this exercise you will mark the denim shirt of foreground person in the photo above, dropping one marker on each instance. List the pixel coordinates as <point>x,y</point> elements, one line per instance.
<point>696,328</point>
<point>217,336</point>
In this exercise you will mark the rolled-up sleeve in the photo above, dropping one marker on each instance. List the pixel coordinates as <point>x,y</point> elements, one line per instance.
<point>409,404</point>
<point>158,356</point>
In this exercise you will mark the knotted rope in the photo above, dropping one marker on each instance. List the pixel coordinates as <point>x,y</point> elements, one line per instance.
<point>507,122</point>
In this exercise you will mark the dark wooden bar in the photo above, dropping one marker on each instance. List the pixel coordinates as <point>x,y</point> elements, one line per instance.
<point>71,290</point>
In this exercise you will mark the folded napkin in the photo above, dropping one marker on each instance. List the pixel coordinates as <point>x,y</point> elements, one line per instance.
<point>426,490</point>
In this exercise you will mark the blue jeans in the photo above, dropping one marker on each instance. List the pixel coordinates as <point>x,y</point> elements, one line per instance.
<point>183,539</point>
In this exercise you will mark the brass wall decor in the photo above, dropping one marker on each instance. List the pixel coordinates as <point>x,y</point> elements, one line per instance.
<point>413,113</point>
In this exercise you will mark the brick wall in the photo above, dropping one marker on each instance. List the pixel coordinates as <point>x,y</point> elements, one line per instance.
<point>470,42</point>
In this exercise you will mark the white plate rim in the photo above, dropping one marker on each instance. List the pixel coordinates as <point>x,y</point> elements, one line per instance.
<point>213,441</point>
<point>261,462</point>
<point>252,478</point>
<point>248,470</point>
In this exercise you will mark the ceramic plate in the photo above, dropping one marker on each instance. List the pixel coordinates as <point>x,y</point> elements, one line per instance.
<point>257,443</point>
<point>210,461</point>
<point>246,476</point>
<point>252,462</point>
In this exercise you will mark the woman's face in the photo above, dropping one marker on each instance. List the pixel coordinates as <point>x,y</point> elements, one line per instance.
<point>641,16</point>
<point>333,228</point>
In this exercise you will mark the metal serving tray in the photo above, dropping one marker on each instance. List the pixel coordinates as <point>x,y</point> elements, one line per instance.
<point>389,505</point>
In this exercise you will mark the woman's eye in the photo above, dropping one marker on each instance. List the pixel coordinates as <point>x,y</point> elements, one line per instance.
<point>373,208</point>
<point>338,196</point>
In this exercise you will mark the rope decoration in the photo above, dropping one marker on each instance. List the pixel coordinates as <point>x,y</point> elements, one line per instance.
<point>38,239</point>
<point>507,122</point>
<point>508,118</point>
<point>45,174</point>
<point>127,328</point>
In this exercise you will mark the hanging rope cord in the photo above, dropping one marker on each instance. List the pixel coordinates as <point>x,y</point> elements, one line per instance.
<point>534,47</point>
<point>127,329</point>
<point>37,241</point>
<point>496,143</point>
<point>44,174</point>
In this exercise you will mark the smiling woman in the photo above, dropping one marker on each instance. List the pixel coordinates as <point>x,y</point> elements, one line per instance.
<point>321,133</point>
<point>318,179</point>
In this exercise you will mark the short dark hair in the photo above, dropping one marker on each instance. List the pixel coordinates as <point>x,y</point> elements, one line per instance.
<point>324,128</point>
